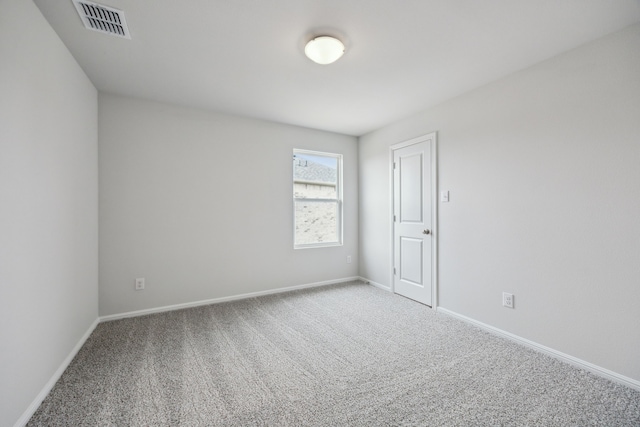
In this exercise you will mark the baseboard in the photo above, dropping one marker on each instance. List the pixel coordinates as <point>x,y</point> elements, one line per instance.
<point>377,285</point>
<point>579,363</point>
<point>26,416</point>
<point>222,299</point>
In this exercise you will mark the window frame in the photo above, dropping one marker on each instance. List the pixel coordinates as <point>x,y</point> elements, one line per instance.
<point>338,200</point>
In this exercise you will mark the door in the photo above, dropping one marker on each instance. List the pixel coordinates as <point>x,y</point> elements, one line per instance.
<point>412,226</point>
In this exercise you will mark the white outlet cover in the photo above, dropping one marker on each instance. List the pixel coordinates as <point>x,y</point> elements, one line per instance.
<point>507,300</point>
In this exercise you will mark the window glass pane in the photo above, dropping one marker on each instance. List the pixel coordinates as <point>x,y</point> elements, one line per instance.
<point>315,176</point>
<point>302,190</point>
<point>316,222</point>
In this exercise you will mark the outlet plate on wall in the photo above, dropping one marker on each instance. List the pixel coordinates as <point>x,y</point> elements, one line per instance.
<point>140,284</point>
<point>507,300</point>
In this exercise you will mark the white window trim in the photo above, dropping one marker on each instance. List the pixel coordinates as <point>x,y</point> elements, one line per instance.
<point>337,200</point>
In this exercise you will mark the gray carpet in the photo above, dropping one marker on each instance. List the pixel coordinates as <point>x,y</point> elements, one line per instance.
<point>342,355</point>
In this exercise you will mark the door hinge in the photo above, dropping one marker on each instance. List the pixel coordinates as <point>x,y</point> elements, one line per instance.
<point>394,271</point>
<point>394,218</point>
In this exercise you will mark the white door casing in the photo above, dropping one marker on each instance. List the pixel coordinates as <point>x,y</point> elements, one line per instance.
<point>414,244</point>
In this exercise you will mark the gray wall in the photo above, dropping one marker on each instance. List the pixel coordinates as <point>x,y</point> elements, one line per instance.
<point>200,205</point>
<point>544,172</point>
<point>48,205</point>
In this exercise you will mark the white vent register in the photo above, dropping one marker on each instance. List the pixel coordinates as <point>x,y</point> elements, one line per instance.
<point>102,18</point>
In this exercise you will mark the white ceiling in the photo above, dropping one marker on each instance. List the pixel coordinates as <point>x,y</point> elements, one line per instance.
<point>246,57</point>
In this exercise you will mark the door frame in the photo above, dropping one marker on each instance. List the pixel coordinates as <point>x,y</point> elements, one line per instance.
<point>433,137</point>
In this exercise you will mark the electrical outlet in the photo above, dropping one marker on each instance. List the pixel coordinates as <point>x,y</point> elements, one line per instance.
<point>140,284</point>
<point>507,300</point>
<point>348,259</point>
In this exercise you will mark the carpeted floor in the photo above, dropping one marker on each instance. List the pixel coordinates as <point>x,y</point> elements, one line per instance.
<point>341,355</point>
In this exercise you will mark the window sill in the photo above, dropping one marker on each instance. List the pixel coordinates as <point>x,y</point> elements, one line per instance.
<point>317,245</point>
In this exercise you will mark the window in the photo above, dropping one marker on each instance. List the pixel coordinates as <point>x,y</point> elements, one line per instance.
<point>317,199</point>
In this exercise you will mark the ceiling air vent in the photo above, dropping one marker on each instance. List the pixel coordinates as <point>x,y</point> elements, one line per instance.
<point>102,18</point>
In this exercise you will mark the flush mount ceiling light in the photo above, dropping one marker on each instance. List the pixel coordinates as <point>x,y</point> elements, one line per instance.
<point>324,50</point>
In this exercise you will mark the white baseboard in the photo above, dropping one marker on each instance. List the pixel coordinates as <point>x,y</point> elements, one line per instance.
<point>26,416</point>
<point>377,285</point>
<point>579,363</point>
<point>222,299</point>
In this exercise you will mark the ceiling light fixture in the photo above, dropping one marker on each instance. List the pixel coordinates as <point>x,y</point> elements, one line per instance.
<point>324,50</point>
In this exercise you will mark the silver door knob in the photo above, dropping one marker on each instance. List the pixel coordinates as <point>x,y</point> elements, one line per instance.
<point>426,231</point>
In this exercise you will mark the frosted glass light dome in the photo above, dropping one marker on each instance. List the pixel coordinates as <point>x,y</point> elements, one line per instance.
<point>324,50</point>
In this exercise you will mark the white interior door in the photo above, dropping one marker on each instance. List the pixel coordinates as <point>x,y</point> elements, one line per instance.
<point>412,227</point>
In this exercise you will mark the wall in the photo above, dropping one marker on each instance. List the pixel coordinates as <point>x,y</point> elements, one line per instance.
<point>543,170</point>
<point>200,205</point>
<point>49,207</point>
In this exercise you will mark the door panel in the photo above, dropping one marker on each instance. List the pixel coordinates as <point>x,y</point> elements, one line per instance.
<point>410,168</point>
<point>412,221</point>
<point>411,255</point>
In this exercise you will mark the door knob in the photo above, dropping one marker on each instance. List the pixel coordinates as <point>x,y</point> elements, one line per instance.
<point>426,231</point>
